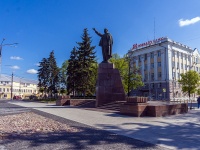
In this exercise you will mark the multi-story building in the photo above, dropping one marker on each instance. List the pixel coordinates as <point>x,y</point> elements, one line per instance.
<point>161,62</point>
<point>20,87</point>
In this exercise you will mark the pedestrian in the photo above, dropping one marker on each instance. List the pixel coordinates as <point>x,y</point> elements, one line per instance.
<point>198,101</point>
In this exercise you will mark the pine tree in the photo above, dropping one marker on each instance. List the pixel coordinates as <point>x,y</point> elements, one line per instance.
<point>86,57</point>
<point>72,72</point>
<point>63,74</point>
<point>53,74</point>
<point>43,74</point>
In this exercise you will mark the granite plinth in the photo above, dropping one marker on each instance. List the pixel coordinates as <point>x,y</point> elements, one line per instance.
<point>109,85</point>
<point>63,100</point>
<point>153,109</point>
<point>133,109</point>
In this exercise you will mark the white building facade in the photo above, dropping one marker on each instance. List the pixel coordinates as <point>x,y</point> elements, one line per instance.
<point>20,87</point>
<point>161,62</point>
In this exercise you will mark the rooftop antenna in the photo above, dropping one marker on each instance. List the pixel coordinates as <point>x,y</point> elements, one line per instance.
<point>154,30</point>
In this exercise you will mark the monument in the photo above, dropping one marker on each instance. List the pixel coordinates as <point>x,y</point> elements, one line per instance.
<point>109,86</point>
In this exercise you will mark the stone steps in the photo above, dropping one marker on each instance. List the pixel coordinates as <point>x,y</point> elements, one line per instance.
<point>115,106</point>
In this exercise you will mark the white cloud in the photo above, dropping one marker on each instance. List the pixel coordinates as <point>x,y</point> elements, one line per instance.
<point>15,67</point>
<point>32,71</point>
<point>188,22</point>
<point>16,58</point>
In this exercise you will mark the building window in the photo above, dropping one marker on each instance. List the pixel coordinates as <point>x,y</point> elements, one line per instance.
<point>188,58</point>
<point>159,74</point>
<point>185,67</point>
<point>185,57</point>
<point>140,58</point>
<point>146,76</point>
<point>145,57</point>
<point>178,75</point>
<point>173,64</point>
<point>7,89</point>
<point>173,74</point>
<point>159,64</point>
<point>173,53</point>
<point>152,85</point>
<point>181,55</point>
<point>152,55</point>
<point>196,68</point>
<point>177,54</point>
<point>152,76</point>
<point>181,65</point>
<point>152,65</point>
<point>159,85</point>
<point>159,53</point>
<point>177,65</point>
<point>0,89</point>
<point>145,67</point>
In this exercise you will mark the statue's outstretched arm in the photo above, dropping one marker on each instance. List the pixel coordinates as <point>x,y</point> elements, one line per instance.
<point>99,34</point>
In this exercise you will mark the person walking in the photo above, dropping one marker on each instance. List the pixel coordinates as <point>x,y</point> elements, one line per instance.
<point>198,101</point>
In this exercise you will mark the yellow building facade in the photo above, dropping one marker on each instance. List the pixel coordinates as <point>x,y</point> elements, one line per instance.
<point>16,86</point>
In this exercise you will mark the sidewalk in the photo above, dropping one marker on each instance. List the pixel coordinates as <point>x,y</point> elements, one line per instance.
<point>175,132</point>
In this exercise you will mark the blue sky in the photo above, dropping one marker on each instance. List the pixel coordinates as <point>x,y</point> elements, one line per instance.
<point>40,26</point>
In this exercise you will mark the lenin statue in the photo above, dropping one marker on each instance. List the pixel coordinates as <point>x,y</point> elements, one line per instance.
<point>106,43</point>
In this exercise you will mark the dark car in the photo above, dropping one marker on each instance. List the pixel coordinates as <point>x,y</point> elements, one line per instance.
<point>17,97</point>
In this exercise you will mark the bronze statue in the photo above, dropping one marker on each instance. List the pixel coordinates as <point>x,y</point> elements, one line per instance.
<point>106,43</point>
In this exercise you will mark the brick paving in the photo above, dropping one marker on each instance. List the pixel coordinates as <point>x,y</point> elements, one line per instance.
<point>26,128</point>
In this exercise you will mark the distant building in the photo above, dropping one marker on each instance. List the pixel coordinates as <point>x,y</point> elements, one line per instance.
<point>21,87</point>
<point>161,62</point>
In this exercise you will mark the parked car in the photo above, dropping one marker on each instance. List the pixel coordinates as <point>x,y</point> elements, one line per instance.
<point>17,97</point>
<point>33,97</point>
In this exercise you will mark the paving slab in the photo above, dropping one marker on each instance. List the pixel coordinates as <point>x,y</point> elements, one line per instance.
<point>174,132</point>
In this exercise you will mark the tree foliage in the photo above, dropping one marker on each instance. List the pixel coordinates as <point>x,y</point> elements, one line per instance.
<point>190,82</point>
<point>43,74</point>
<point>63,74</point>
<point>48,74</point>
<point>72,69</point>
<point>54,71</point>
<point>131,79</point>
<point>81,66</point>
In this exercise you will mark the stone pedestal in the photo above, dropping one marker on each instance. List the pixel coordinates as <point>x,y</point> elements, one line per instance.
<point>109,85</point>
<point>133,109</point>
<point>63,100</point>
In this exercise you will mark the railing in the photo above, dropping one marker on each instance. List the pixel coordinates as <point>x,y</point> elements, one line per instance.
<point>184,99</point>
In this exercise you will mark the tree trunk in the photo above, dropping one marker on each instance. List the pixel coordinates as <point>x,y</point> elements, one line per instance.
<point>190,101</point>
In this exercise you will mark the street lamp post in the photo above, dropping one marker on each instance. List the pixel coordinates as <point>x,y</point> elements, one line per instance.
<point>1,48</point>
<point>11,87</point>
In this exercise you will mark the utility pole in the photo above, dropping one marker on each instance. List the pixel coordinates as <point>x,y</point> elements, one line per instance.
<point>1,48</point>
<point>12,86</point>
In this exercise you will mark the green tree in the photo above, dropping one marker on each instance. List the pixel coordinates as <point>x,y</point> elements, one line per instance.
<point>43,74</point>
<point>93,77</point>
<point>54,80</point>
<point>63,75</point>
<point>131,79</point>
<point>86,57</point>
<point>72,69</point>
<point>190,83</point>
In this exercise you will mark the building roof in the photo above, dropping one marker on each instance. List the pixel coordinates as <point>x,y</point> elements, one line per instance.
<point>8,78</point>
<point>156,42</point>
